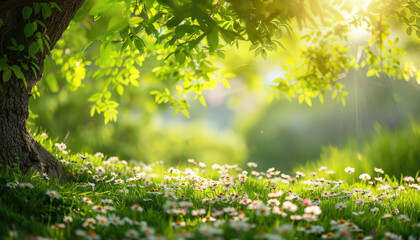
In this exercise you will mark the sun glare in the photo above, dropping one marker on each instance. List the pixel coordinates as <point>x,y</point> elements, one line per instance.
<point>360,5</point>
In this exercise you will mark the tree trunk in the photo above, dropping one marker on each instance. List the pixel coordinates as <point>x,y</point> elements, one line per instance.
<point>16,143</point>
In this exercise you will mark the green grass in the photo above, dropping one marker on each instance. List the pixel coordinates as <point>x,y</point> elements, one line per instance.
<point>396,152</point>
<point>31,212</point>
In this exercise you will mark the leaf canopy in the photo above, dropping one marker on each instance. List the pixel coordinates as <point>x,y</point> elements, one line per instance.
<point>181,36</point>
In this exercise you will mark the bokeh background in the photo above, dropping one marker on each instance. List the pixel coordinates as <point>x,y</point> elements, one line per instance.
<point>379,123</point>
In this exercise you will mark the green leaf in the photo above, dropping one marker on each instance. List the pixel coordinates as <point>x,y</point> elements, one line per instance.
<point>409,30</point>
<point>149,3</point>
<point>176,110</point>
<point>92,111</point>
<point>221,54</point>
<point>7,73</point>
<point>154,92</point>
<point>308,101</point>
<point>253,46</point>
<point>139,44</point>
<point>35,24</point>
<point>186,113</point>
<point>124,33</point>
<point>28,30</point>
<point>228,35</point>
<point>334,94</point>
<point>125,45</point>
<point>203,101</point>
<point>229,75</point>
<point>95,97</point>
<point>134,82</point>
<point>180,57</point>
<point>194,43</point>
<point>343,100</point>
<point>37,8</point>
<point>321,98</point>
<point>46,10</point>
<point>371,72</point>
<point>135,20</point>
<point>411,19</point>
<point>107,95</point>
<point>101,8</point>
<point>13,41</point>
<point>41,23</point>
<point>174,21</point>
<point>106,117</point>
<point>112,104</point>
<point>40,45</point>
<point>213,39</point>
<point>225,83</point>
<point>110,115</point>
<point>12,48</point>
<point>120,90</point>
<point>26,12</point>
<point>25,66</point>
<point>264,54</point>
<point>18,73</point>
<point>301,98</point>
<point>180,31</point>
<point>47,45</point>
<point>258,51</point>
<point>282,46</point>
<point>33,49</point>
<point>34,70</point>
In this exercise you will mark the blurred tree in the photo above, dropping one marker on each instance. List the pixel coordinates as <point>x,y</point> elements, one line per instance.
<point>179,35</point>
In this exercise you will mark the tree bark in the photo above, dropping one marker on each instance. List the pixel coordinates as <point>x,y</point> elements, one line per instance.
<point>17,145</point>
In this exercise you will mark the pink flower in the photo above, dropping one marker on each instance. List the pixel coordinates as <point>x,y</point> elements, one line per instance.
<point>306,202</point>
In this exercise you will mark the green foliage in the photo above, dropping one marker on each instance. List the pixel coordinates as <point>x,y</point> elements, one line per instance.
<point>326,57</point>
<point>323,63</point>
<point>7,73</point>
<point>35,32</point>
<point>26,12</point>
<point>396,152</point>
<point>181,37</point>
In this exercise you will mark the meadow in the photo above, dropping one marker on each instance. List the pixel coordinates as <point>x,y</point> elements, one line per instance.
<point>104,197</point>
<point>231,171</point>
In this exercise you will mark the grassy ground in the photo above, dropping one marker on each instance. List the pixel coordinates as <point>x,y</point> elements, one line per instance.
<point>106,198</point>
<point>397,152</point>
